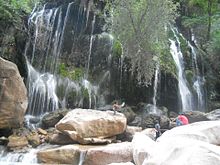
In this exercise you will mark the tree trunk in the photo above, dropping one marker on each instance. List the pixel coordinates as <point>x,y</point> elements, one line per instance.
<point>209,19</point>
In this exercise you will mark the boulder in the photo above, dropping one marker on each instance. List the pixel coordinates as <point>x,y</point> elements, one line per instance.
<point>150,132</point>
<point>196,143</point>
<point>87,126</point>
<point>195,116</point>
<point>207,131</point>
<point>17,142</point>
<point>129,133</point>
<point>164,122</point>
<point>183,151</point>
<point>112,153</point>
<point>142,145</point>
<point>13,96</point>
<point>137,121</point>
<point>33,139</point>
<point>129,113</point>
<point>87,154</point>
<point>60,139</point>
<point>149,120</point>
<point>128,163</point>
<point>52,118</point>
<point>69,154</point>
<point>214,115</point>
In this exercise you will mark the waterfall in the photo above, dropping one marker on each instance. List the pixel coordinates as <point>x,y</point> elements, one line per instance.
<point>90,46</point>
<point>41,92</point>
<point>198,82</point>
<point>28,157</point>
<point>82,157</point>
<point>121,72</point>
<point>185,94</point>
<point>54,35</point>
<point>156,81</point>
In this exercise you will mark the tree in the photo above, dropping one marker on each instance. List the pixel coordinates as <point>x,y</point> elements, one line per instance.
<point>12,10</point>
<point>202,17</point>
<point>12,13</point>
<point>198,15</point>
<point>141,28</point>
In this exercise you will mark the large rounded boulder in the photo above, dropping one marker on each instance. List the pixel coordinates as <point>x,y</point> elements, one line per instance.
<point>196,143</point>
<point>13,96</point>
<point>91,126</point>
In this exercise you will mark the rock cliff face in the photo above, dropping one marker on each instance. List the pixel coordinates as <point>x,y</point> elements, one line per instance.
<point>13,96</point>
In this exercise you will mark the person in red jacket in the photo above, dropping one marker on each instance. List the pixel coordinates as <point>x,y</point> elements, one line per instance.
<point>182,120</point>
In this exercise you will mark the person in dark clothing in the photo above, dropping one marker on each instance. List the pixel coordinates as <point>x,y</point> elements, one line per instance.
<point>157,129</point>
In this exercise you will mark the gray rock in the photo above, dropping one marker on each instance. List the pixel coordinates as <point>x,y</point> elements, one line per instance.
<point>52,118</point>
<point>195,116</point>
<point>214,115</point>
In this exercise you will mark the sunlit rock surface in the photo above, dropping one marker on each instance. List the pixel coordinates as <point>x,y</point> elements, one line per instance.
<point>17,142</point>
<point>68,154</point>
<point>150,132</point>
<point>112,153</point>
<point>184,151</point>
<point>207,131</point>
<point>142,146</point>
<point>13,96</point>
<point>91,126</point>
<point>87,154</point>
<point>196,143</point>
<point>128,163</point>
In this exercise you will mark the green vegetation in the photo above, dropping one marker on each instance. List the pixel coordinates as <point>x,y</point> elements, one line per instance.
<point>200,15</point>
<point>12,18</point>
<point>117,49</point>
<point>167,63</point>
<point>12,11</point>
<point>140,26</point>
<point>202,19</point>
<point>85,93</point>
<point>73,74</point>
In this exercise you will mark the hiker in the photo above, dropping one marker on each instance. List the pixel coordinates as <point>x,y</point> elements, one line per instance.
<point>157,129</point>
<point>116,106</point>
<point>182,120</point>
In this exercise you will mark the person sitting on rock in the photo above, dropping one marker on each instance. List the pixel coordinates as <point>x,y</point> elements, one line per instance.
<point>157,129</point>
<point>182,120</point>
<point>116,106</point>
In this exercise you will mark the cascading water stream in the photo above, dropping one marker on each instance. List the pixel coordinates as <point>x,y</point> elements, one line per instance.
<point>48,31</point>
<point>42,92</point>
<point>90,46</point>
<point>185,94</point>
<point>10,158</point>
<point>198,83</point>
<point>82,157</point>
<point>121,68</point>
<point>156,81</point>
<point>41,86</point>
<point>48,47</point>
